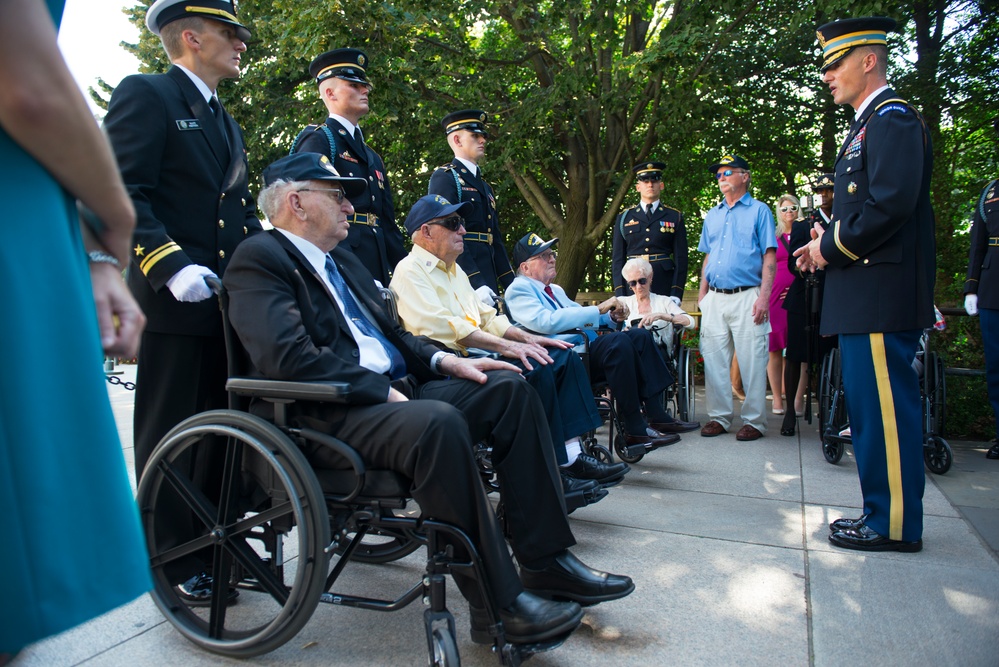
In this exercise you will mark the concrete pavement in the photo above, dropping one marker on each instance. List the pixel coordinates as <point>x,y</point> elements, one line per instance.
<point>727,544</point>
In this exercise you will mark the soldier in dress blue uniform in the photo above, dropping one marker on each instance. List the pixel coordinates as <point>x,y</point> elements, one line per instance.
<point>982,288</point>
<point>341,75</point>
<point>183,160</point>
<point>652,230</point>
<point>484,259</point>
<point>880,263</point>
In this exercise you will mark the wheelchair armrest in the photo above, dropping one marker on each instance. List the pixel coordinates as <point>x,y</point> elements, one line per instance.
<point>322,392</point>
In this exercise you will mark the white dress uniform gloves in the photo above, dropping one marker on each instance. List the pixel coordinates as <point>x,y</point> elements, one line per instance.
<point>971,304</point>
<point>188,284</point>
<point>486,295</point>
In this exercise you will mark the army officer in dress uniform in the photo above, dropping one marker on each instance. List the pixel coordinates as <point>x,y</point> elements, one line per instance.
<point>183,161</point>
<point>374,237</point>
<point>484,259</point>
<point>653,231</point>
<point>880,264</point>
<point>982,288</point>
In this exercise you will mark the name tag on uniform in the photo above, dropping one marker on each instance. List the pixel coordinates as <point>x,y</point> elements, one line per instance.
<point>192,124</point>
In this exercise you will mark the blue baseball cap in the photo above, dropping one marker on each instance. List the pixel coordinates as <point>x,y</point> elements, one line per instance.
<point>431,207</point>
<point>311,167</point>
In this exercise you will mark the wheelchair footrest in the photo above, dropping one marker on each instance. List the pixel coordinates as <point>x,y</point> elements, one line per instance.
<point>636,450</point>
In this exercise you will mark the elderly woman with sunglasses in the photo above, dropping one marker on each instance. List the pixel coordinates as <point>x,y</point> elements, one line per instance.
<point>788,211</point>
<point>647,308</point>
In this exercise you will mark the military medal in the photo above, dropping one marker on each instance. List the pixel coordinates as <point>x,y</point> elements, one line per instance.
<point>852,188</point>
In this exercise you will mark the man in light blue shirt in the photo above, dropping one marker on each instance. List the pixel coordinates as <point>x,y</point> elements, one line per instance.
<point>739,246</point>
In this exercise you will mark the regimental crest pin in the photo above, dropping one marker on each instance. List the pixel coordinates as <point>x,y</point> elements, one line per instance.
<point>852,188</point>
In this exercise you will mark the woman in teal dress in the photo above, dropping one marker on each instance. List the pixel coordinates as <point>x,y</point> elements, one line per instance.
<point>72,545</point>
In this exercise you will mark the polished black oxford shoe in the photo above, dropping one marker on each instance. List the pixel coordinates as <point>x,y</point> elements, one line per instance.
<point>568,578</point>
<point>865,539</point>
<point>676,426</point>
<point>197,591</point>
<point>604,474</point>
<point>843,523</point>
<point>530,619</point>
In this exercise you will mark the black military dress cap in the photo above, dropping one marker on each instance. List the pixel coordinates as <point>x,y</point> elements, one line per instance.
<point>649,171</point>
<point>838,38</point>
<point>163,12</point>
<point>824,182</point>
<point>346,64</point>
<point>731,161</point>
<point>529,246</point>
<point>311,167</point>
<point>473,120</point>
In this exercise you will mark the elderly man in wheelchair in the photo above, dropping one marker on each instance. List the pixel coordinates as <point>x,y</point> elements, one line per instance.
<point>627,360</point>
<point>307,311</point>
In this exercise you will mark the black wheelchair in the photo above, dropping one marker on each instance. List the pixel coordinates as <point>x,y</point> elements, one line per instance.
<point>937,453</point>
<point>281,533</point>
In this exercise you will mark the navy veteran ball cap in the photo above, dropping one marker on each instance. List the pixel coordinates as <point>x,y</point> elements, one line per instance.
<point>529,246</point>
<point>824,182</point>
<point>311,167</point>
<point>473,120</point>
<point>346,64</point>
<point>649,171</point>
<point>732,161</point>
<point>163,12</point>
<point>838,38</point>
<point>431,207</point>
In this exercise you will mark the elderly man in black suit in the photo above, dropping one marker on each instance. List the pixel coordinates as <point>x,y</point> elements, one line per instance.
<point>183,161</point>
<point>306,309</point>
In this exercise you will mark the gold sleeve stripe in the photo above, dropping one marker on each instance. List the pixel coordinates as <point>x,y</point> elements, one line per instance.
<point>156,255</point>
<point>893,459</point>
<point>840,245</point>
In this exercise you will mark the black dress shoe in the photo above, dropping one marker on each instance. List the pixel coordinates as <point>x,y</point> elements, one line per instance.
<point>605,474</point>
<point>580,493</point>
<point>569,579</point>
<point>865,539</point>
<point>788,425</point>
<point>528,620</point>
<point>652,440</point>
<point>993,452</point>
<point>197,591</point>
<point>843,523</point>
<point>676,426</point>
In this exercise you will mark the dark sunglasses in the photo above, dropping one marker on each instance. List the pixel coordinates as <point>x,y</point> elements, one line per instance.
<point>453,223</point>
<point>651,178</point>
<point>640,281</point>
<point>785,209</point>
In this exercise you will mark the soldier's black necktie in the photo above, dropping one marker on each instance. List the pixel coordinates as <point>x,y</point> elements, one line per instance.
<point>216,108</point>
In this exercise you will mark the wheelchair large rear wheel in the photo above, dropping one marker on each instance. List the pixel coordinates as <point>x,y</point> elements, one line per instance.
<point>685,399</point>
<point>262,525</point>
<point>827,385</point>
<point>935,394</point>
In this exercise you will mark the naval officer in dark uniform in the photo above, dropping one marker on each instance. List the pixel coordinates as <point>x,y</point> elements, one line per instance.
<point>654,231</point>
<point>484,259</point>
<point>982,288</point>
<point>880,262</point>
<point>374,237</point>
<point>183,160</point>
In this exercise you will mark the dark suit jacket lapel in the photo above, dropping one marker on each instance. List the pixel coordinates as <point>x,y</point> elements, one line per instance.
<point>306,268</point>
<point>199,107</point>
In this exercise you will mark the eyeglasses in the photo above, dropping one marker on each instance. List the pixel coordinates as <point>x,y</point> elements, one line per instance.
<point>546,256</point>
<point>640,281</point>
<point>785,209</point>
<point>728,172</point>
<point>453,223</point>
<point>335,193</point>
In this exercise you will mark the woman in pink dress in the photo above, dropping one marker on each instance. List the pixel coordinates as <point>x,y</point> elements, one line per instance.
<point>788,210</point>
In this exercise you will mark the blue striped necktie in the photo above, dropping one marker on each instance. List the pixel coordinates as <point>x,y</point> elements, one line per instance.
<point>354,312</point>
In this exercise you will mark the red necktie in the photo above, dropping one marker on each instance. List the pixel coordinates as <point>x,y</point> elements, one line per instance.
<point>549,292</point>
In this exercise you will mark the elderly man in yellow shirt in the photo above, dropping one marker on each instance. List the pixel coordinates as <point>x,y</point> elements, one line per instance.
<point>436,300</point>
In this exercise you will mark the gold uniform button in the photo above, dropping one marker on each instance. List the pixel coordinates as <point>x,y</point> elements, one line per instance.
<point>221,254</point>
<point>222,196</point>
<point>242,201</point>
<point>867,261</point>
<point>245,231</point>
<point>221,224</point>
